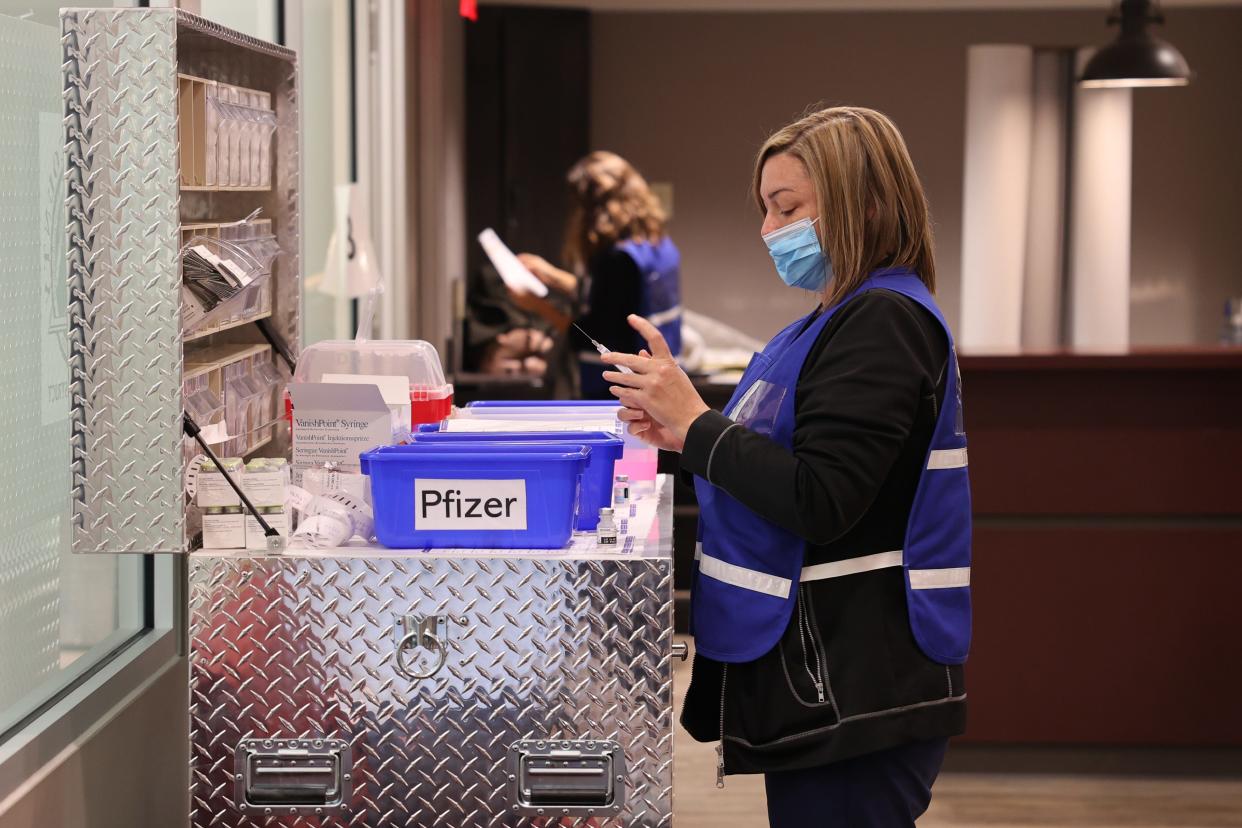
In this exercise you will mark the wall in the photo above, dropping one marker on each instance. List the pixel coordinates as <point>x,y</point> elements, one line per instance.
<point>689,98</point>
<point>130,770</point>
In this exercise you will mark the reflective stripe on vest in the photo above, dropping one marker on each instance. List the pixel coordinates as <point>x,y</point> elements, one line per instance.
<point>947,459</point>
<point>781,587</point>
<point>666,316</point>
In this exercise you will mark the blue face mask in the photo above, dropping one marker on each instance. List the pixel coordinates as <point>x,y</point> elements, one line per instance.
<point>799,260</point>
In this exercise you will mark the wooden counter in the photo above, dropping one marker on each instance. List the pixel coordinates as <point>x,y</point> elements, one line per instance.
<point>1108,546</point>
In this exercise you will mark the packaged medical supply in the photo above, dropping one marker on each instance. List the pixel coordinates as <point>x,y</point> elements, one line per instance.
<point>224,527</point>
<point>606,531</point>
<point>265,481</point>
<point>276,517</point>
<point>333,423</point>
<point>329,479</point>
<point>212,489</point>
<point>330,520</point>
<point>621,490</point>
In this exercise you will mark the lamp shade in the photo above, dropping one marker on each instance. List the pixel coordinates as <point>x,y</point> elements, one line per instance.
<point>1136,57</point>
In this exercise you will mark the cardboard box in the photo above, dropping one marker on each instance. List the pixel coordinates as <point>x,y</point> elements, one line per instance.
<point>213,489</point>
<point>266,481</point>
<point>224,527</point>
<point>276,517</point>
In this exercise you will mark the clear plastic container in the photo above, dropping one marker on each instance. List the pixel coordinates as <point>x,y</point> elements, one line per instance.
<point>429,399</point>
<point>243,138</point>
<point>242,400</point>
<point>268,375</point>
<point>221,282</point>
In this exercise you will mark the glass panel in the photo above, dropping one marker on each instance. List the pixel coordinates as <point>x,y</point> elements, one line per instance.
<point>326,151</point>
<point>59,613</point>
<point>256,18</point>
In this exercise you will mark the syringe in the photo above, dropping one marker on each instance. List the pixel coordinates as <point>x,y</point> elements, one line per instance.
<point>599,346</point>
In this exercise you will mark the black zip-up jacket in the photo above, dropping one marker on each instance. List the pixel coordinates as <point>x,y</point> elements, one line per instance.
<point>847,677</point>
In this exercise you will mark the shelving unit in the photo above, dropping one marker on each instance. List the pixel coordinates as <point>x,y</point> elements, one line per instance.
<point>224,326</point>
<point>213,358</point>
<point>224,132</point>
<point>152,161</point>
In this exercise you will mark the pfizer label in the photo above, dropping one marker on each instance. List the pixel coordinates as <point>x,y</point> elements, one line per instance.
<point>464,505</point>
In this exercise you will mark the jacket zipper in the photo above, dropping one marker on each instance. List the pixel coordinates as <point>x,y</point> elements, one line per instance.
<point>720,763</point>
<point>805,632</point>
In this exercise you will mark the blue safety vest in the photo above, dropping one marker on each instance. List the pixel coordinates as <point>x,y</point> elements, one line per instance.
<point>659,301</point>
<point>748,569</point>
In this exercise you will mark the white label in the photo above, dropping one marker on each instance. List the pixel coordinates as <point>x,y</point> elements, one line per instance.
<point>214,490</point>
<point>224,531</point>
<point>469,504</point>
<point>265,488</point>
<point>256,538</point>
<point>333,423</point>
<point>322,481</point>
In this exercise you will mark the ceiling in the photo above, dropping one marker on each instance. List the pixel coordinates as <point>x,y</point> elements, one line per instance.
<point>837,5</point>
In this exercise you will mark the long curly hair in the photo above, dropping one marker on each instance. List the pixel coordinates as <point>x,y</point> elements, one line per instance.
<point>610,202</point>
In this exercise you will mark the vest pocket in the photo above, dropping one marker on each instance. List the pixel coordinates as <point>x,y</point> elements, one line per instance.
<point>773,701</point>
<point>804,660</point>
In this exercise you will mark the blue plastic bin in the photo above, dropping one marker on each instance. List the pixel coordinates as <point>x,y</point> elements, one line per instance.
<point>606,450</point>
<point>475,496</point>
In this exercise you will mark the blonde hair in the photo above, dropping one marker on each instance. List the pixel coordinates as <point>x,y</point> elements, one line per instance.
<point>611,202</point>
<point>871,203</point>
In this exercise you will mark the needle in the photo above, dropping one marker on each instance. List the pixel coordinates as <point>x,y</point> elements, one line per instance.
<point>599,346</point>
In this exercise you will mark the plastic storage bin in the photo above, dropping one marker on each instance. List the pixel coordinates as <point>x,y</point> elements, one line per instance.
<point>463,496</point>
<point>597,479</point>
<point>640,460</point>
<point>430,397</point>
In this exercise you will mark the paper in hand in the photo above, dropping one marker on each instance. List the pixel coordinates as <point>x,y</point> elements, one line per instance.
<point>515,275</point>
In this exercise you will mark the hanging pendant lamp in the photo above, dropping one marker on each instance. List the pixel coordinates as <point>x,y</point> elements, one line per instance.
<point>1136,57</point>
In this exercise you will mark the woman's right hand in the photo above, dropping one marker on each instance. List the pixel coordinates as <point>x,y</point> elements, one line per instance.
<point>548,273</point>
<point>648,430</point>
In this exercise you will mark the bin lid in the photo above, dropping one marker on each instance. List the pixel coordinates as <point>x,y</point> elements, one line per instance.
<point>411,358</point>
<point>562,437</point>
<point>494,454</point>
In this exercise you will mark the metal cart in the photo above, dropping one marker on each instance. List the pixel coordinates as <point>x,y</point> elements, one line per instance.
<point>350,687</point>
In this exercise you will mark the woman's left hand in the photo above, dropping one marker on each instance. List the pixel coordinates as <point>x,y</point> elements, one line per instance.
<point>658,386</point>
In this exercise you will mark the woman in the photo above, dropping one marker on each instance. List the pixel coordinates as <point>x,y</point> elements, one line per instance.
<point>622,262</point>
<point>831,607</point>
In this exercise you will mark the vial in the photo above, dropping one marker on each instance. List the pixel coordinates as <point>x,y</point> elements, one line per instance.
<point>606,532</point>
<point>621,490</point>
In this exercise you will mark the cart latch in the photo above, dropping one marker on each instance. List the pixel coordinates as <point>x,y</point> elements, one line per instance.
<point>567,778</point>
<point>293,776</point>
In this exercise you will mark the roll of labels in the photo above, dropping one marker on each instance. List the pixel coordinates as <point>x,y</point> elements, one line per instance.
<point>330,519</point>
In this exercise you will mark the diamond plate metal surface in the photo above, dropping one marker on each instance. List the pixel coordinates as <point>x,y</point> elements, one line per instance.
<point>124,281</point>
<point>555,648</point>
<point>123,213</point>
